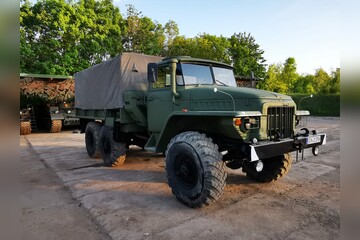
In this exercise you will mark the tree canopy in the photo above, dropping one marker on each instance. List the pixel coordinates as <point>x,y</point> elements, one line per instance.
<point>67,36</point>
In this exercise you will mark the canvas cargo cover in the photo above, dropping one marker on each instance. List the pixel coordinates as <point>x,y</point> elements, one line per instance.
<point>102,86</point>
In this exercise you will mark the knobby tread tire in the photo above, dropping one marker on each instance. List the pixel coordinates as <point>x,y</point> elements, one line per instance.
<point>113,153</point>
<point>274,168</point>
<point>55,126</point>
<point>92,139</point>
<point>25,128</point>
<point>212,169</point>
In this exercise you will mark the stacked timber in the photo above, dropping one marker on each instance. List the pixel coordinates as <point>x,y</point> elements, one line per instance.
<point>52,90</point>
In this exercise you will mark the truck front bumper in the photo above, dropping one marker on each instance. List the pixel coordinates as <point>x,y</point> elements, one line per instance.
<point>267,149</point>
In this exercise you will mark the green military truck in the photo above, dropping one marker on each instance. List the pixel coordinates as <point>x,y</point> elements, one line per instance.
<point>191,110</point>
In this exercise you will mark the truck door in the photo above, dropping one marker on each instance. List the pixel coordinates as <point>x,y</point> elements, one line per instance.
<point>159,105</point>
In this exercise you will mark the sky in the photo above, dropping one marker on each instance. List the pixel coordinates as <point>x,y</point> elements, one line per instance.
<point>307,30</point>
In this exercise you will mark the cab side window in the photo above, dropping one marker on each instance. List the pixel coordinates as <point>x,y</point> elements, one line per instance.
<point>163,79</point>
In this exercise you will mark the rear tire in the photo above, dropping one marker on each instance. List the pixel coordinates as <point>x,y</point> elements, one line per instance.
<point>274,168</point>
<point>92,139</point>
<point>55,126</point>
<point>113,153</point>
<point>25,128</point>
<point>195,170</point>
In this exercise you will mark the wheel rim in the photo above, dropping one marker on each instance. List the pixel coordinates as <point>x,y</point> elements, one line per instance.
<point>186,171</point>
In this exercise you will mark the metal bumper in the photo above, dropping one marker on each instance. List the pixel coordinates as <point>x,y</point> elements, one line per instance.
<point>267,149</point>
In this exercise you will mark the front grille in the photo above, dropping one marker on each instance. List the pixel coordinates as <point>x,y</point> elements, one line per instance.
<point>280,122</point>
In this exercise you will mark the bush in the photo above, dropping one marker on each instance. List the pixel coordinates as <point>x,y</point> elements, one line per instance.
<point>319,105</point>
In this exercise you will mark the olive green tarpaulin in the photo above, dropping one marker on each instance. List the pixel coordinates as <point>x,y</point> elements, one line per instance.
<point>102,86</point>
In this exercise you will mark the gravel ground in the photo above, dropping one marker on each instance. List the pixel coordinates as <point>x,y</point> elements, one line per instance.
<point>67,195</point>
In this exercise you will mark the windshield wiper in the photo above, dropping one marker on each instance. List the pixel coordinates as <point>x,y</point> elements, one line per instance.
<point>218,81</point>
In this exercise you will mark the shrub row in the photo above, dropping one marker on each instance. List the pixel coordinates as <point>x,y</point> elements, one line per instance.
<point>319,105</point>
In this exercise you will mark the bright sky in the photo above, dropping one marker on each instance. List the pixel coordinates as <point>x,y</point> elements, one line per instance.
<point>304,29</point>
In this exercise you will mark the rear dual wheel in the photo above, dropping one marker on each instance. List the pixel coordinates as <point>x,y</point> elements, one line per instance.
<point>92,139</point>
<point>113,153</point>
<point>100,143</point>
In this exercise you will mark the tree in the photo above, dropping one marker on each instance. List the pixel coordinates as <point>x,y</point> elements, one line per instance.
<point>143,35</point>
<point>246,55</point>
<point>171,30</point>
<point>273,81</point>
<point>322,81</point>
<point>202,46</point>
<point>305,84</point>
<point>335,81</point>
<point>63,37</point>
<point>289,75</point>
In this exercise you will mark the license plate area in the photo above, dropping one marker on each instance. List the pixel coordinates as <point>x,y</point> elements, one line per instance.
<point>313,139</point>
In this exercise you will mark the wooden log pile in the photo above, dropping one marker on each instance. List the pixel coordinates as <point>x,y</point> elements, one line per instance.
<point>51,90</point>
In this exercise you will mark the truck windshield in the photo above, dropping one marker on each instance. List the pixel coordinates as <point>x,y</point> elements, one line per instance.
<point>224,76</point>
<point>194,74</point>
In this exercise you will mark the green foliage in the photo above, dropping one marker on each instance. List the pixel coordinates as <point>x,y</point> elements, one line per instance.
<point>63,37</point>
<point>246,55</point>
<point>283,78</point>
<point>335,81</point>
<point>66,36</point>
<point>320,104</point>
<point>289,75</point>
<point>273,81</point>
<point>143,35</point>
<point>202,46</point>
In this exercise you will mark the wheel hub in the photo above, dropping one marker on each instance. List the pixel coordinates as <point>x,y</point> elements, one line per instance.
<point>186,171</point>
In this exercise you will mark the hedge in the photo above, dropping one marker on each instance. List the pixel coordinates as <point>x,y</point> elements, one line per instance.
<point>319,105</point>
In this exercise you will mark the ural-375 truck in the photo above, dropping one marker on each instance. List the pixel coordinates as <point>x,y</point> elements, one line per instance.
<point>191,110</point>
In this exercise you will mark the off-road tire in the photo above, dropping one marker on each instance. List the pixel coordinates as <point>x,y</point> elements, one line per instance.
<point>274,168</point>
<point>113,153</point>
<point>55,126</point>
<point>25,128</point>
<point>195,170</point>
<point>92,139</point>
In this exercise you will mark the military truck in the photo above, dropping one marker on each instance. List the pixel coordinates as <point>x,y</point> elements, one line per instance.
<point>191,110</point>
<point>59,115</point>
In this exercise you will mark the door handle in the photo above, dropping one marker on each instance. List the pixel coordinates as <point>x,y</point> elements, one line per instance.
<point>150,99</point>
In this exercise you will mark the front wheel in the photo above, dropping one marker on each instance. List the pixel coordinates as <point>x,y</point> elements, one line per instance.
<point>113,153</point>
<point>195,170</point>
<point>273,168</point>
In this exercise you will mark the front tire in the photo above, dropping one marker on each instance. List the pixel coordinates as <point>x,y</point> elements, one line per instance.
<point>274,168</point>
<point>195,170</point>
<point>113,153</point>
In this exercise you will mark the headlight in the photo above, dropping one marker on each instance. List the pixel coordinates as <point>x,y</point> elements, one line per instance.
<point>57,111</point>
<point>20,112</point>
<point>246,123</point>
<point>69,111</point>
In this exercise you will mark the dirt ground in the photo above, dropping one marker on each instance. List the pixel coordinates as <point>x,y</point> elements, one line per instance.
<point>67,195</point>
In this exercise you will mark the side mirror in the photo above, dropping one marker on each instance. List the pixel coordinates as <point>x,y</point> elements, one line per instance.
<point>152,72</point>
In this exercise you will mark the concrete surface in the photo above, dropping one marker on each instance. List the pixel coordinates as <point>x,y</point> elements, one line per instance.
<point>133,201</point>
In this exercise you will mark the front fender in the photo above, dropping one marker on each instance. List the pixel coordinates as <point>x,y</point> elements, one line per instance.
<point>213,123</point>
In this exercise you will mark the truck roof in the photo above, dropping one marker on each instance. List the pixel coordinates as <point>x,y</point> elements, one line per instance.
<point>45,76</point>
<point>194,60</point>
